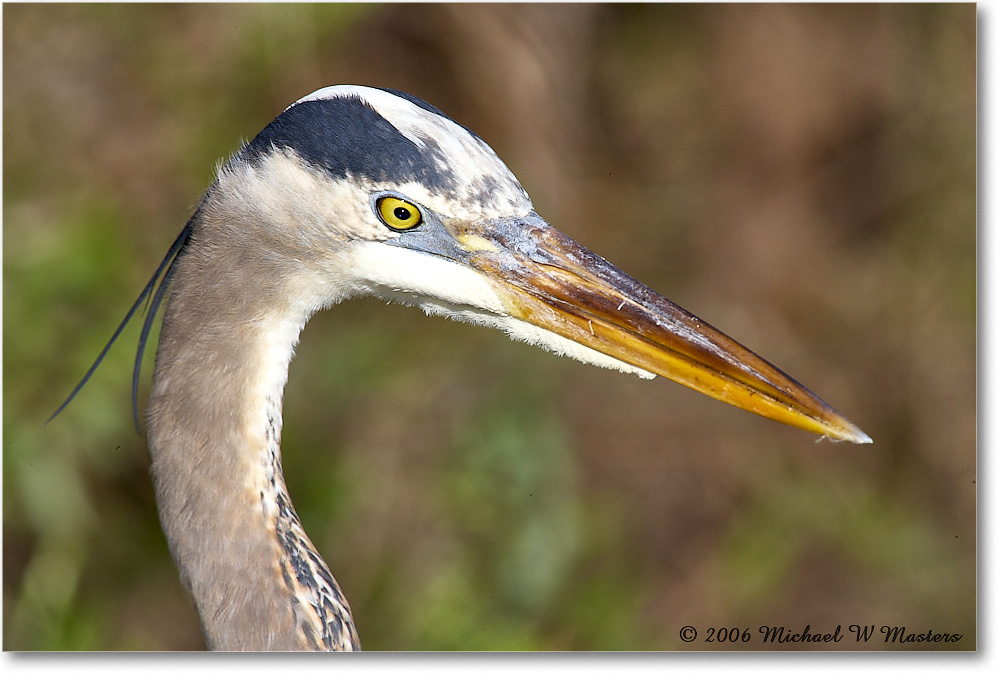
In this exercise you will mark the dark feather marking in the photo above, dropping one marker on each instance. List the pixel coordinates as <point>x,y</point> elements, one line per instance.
<point>346,136</point>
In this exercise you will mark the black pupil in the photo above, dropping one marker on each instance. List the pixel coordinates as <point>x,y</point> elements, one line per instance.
<point>401,212</point>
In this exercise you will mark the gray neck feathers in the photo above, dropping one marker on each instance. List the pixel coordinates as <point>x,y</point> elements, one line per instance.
<point>214,427</point>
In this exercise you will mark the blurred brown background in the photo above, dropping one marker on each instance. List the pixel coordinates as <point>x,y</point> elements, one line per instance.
<point>803,177</point>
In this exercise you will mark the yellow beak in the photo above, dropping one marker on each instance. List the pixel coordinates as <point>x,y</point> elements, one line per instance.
<point>547,279</point>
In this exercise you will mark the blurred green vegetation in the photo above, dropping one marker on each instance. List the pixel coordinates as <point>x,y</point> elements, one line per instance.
<point>803,177</point>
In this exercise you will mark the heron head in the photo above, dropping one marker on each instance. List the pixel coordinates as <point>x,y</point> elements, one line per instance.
<point>390,197</point>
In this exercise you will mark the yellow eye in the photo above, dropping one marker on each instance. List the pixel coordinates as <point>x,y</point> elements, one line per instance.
<point>398,214</point>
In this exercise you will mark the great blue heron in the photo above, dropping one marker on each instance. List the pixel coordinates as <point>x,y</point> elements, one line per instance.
<point>354,191</point>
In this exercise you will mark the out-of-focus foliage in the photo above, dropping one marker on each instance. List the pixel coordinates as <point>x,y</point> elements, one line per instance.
<point>803,177</point>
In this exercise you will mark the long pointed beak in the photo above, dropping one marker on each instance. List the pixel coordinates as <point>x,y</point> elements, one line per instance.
<point>547,279</point>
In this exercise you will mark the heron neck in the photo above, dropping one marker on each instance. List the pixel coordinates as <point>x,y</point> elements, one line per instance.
<point>214,429</point>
